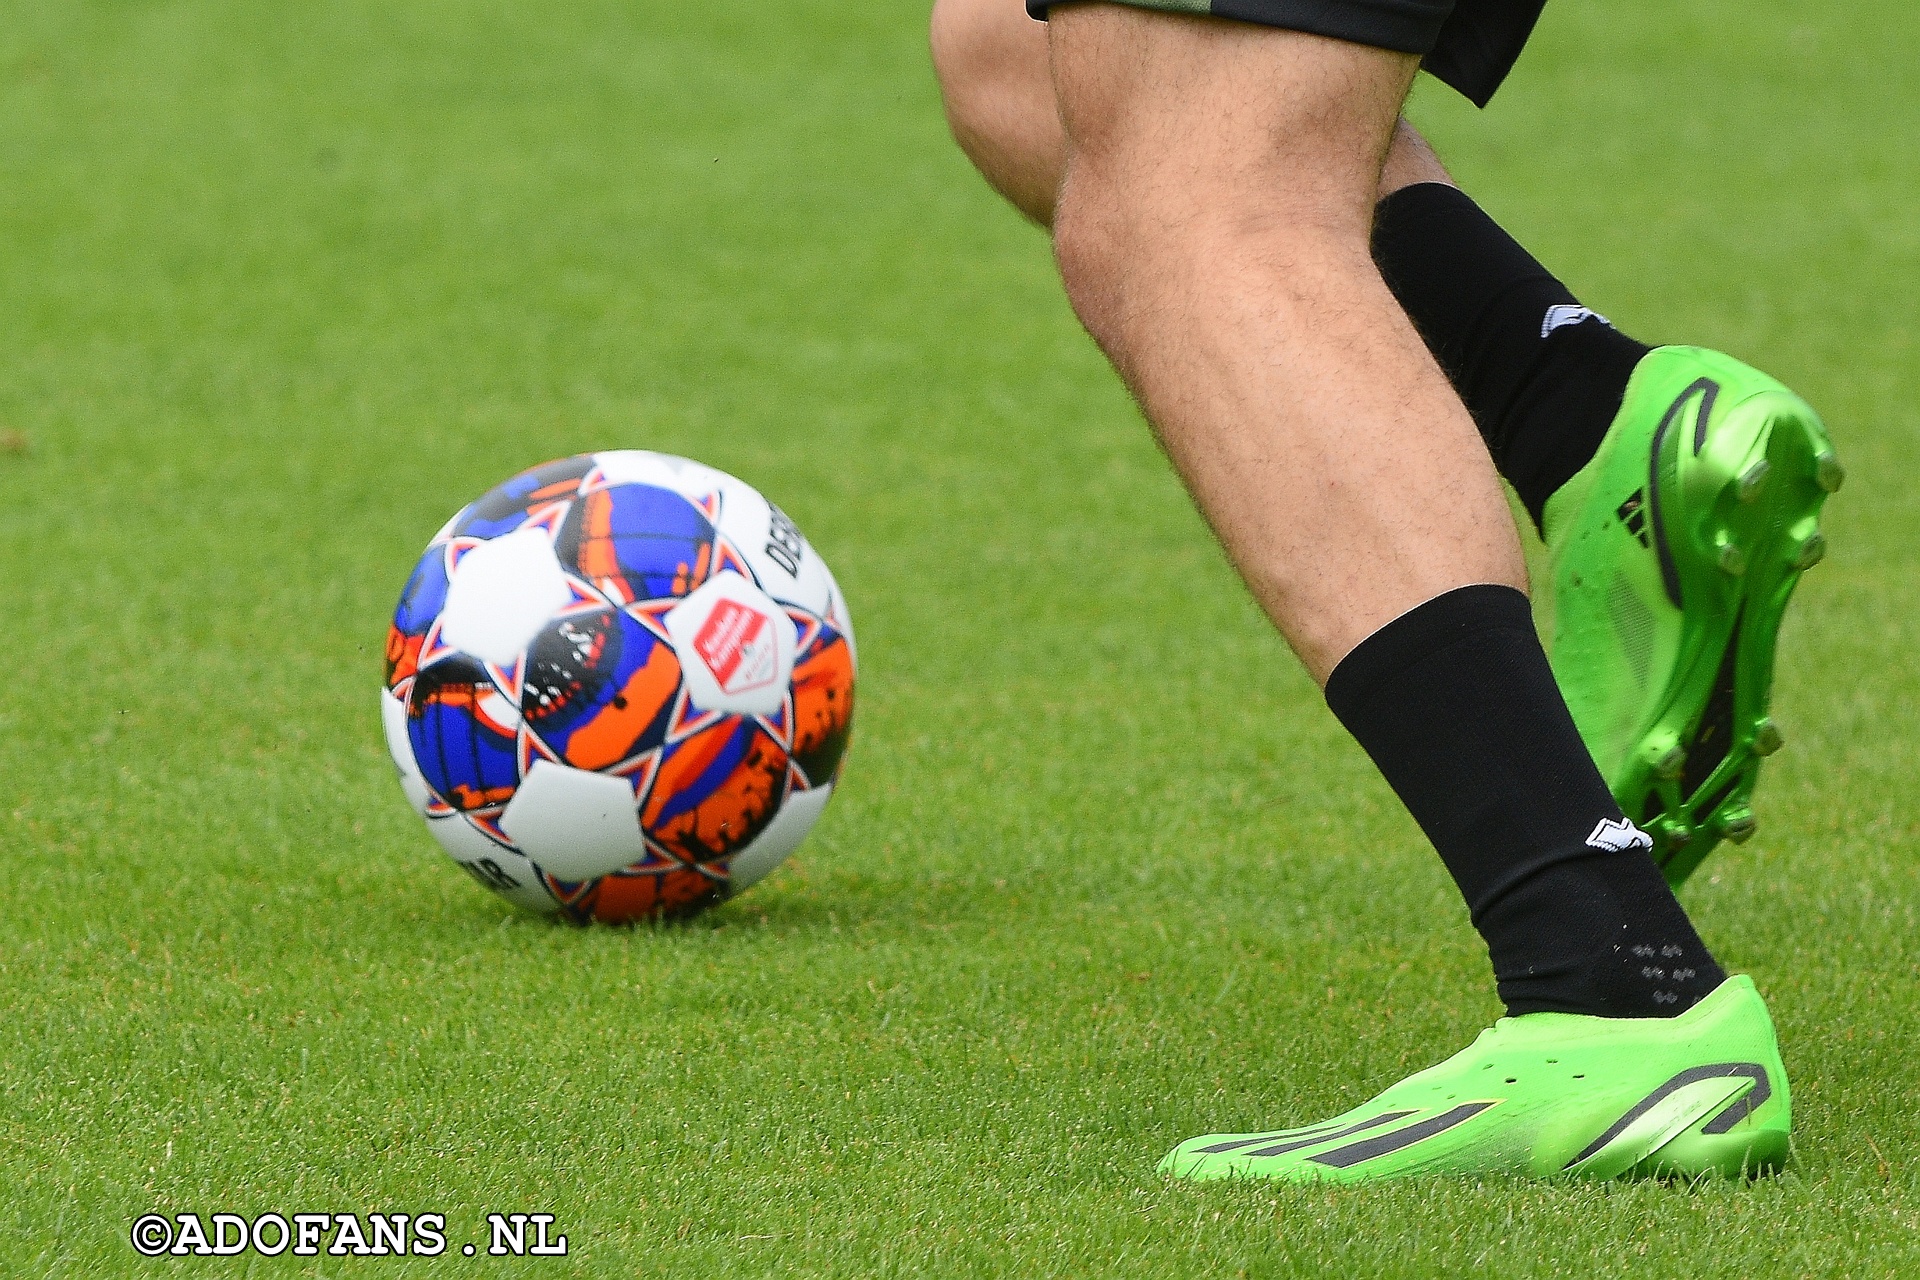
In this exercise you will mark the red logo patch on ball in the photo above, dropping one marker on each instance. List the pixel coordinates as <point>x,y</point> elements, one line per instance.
<point>737,644</point>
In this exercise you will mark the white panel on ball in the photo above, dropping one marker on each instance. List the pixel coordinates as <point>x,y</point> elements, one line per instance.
<point>492,863</point>
<point>501,593</point>
<point>393,718</point>
<point>574,824</point>
<point>774,548</point>
<point>735,646</point>
<point>783,835</point>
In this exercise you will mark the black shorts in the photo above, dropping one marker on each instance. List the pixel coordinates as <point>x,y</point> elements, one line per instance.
<point>1469,44</point>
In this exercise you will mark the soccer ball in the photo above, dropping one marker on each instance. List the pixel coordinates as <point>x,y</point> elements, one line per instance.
<point>619,687</point>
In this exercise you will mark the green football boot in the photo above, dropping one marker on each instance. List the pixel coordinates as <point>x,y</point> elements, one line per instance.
<point>1548,1095</point>
<point>1672,556</point>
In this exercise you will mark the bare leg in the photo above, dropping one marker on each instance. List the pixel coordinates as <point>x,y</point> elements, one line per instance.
<point>1213,223</point>
<point>991,59</point>
<point>1212,231</point>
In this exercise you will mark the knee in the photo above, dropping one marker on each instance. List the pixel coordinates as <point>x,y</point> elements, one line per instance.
<point>1120,216</point>
<point>1134,233</point>
<point>1091,235</point>
<point>991,61</point>
<point>976,44</point>
<point>1123,251</point>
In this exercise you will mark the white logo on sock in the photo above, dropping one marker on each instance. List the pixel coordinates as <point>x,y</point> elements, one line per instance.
<point>1613,835</point>
<point>1562,314</point>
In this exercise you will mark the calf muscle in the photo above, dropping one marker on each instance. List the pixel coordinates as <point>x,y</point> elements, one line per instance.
<point>1212,233</point>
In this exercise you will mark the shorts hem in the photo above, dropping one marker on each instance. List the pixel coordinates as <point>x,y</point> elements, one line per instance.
<point>1469,45</point>
<point>1403,26</point>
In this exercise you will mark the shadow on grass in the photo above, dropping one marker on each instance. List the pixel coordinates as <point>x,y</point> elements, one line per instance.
<point>867,907</point>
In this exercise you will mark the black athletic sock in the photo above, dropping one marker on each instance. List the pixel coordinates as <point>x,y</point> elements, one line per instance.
<point>1457,706</point>
<point>1542,375</point>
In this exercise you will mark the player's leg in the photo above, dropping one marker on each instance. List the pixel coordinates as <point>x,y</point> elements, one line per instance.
<point>1213,238</point>
<point>1212,230</point>
<point>1670,687</point>
<point>1679,493</point>
<point>991,61</point>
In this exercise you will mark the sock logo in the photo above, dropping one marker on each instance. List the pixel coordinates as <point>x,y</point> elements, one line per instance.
<point>1562,314</point>
<point>1615,834</point>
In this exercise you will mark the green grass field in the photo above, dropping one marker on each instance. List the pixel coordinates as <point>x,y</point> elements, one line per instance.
<point>283,286</point>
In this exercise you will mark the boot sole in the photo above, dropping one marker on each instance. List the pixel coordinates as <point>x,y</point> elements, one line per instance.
<point>1735,514</point>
